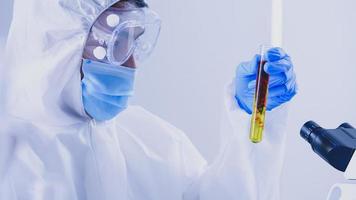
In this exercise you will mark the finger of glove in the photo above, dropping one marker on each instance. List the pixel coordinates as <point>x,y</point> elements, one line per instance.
<point>277,91</point>
<point>275,54</point>
<point>248,68</point>
<point>274,102</point>
<point>291,82</point>
<point>278,100</point>
<point>249,93</point>
<point>279,66</point>
<point>283,90</point>
<point>245,105</point>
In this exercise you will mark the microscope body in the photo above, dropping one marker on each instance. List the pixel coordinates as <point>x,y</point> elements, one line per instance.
<point>350,173</point>
<point>345,191</point>
<point>337,147</point>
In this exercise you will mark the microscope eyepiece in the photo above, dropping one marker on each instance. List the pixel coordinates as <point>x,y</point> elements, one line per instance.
<point>307,130</point>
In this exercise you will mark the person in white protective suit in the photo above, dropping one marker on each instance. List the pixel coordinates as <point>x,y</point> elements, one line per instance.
<point>67,132</point>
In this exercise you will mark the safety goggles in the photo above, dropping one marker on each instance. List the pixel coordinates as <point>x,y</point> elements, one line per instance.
<point>121,33</point>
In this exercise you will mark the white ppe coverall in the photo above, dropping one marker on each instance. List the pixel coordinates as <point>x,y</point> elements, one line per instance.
<point>50,149</point>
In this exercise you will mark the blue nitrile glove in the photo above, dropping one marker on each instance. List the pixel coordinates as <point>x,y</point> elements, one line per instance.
<point>282,81</point>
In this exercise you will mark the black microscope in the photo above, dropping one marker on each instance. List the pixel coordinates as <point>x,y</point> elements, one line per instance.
<point>337,147</point>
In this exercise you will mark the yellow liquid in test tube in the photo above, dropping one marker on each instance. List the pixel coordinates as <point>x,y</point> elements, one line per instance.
<point>260,102</point>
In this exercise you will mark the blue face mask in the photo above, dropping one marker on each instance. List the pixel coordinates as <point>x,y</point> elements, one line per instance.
<point>106,89</point>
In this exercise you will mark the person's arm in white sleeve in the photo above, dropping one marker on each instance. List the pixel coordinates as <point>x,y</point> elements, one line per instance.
<point>244,170</point>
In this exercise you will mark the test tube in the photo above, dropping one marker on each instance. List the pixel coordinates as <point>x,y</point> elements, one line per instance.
<point>260,100</point>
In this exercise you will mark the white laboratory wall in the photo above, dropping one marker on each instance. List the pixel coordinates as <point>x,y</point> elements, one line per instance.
<point>202,42</point>
<point>320,36</point>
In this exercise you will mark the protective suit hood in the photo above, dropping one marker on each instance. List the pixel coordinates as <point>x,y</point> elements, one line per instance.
<point>44,52</point>
<point>49,147</point>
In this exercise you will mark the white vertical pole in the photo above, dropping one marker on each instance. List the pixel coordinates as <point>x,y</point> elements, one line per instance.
<point>277,23</point>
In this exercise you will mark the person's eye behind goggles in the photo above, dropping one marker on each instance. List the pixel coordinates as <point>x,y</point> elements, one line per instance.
<point>120,33</point>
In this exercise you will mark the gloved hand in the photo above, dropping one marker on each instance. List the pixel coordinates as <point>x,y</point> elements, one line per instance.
<point>282,81</point>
